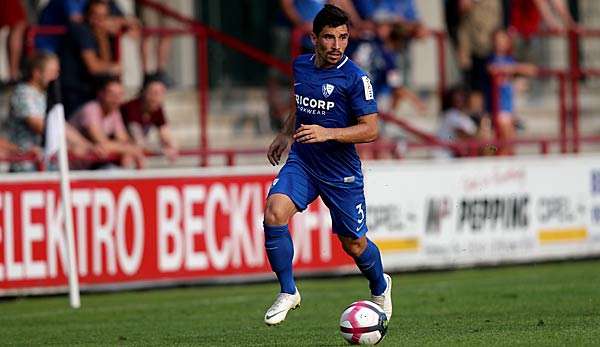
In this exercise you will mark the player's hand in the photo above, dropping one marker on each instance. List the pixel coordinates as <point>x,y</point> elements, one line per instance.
<point>277,147</point>
<point>312,134</point>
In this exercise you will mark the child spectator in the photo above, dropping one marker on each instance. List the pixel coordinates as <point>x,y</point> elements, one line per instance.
<point>481,118</point>
<point>147,111</point>
<point>456,123</point>
<point>506,67</point>
<point>101,122</point>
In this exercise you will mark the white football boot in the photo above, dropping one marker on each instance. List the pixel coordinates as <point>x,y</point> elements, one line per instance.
<point>385,300</point>
<point>280,308</point>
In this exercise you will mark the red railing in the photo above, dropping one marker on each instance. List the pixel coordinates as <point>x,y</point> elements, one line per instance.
<point>572,74</point>
<point>561,76</point>
<point>203,33</point>
<point>568,77</point>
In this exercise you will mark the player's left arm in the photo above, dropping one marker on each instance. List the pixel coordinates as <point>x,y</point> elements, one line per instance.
<point>366,130</point>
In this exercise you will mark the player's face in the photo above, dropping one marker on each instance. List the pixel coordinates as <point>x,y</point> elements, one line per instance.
<point>331,44</point>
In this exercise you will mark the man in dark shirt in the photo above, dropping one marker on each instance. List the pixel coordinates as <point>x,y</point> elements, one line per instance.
<point>86,56</point>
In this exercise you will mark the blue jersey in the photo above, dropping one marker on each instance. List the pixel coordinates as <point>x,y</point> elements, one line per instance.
<point>333,98</point>
<point>506,90</point>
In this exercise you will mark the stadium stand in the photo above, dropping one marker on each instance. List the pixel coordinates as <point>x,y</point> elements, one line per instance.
<point>539,119</point>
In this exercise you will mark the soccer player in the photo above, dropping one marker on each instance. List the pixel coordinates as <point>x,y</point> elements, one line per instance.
<point>334,109</point>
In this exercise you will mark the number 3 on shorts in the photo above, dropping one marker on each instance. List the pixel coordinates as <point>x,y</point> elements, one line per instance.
<point>361,216</point>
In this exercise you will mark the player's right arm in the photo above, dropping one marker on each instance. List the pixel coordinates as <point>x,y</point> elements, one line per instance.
<point>285,137</point>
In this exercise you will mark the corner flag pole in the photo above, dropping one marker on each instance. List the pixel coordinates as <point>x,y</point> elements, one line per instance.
<point>56,141</point>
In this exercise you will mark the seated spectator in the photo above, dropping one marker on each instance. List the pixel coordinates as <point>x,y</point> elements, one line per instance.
<point>477,112</point>
<point>456,123</point>
<point>101,122</point>
<point>28,109</point>
<point>14,17</point>
<point>146,111</point>
<point>503,63</point>
<point>86,56</point>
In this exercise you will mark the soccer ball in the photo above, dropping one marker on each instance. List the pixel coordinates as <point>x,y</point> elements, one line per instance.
<point>363,323</point>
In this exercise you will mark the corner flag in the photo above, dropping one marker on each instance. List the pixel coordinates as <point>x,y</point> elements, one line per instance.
<point>56,142</point>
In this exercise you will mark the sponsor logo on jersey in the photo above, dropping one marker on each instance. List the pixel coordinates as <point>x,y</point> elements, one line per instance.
<point>313,106</point>
<point>369,95</point>
<point>327,89</point>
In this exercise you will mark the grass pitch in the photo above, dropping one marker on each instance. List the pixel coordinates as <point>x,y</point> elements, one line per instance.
<point>551,304</point>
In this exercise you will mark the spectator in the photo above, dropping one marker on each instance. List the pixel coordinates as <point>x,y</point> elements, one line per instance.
<point>14,17</point>
<point>404,18</point>
<point>479,20</point>
<point>377,57</point>
<point>86,56</point>
<point>68,12</point>
<point>506,66</point>
<point>146,111</point>
<point>456,123</point>
<point>478,114</point>
<point>28,109</point>
<point>477,111</point>
<point>101,122</point>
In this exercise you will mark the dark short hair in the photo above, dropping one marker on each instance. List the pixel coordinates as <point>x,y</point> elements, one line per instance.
<point>38,62</point>
<point>92,3</point>
<point>103,81</point>
<point>157,77</point>
<point>331,16</point>
<point>453,95</point>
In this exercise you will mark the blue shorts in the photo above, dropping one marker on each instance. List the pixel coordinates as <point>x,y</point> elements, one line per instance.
<point>346,201</point>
